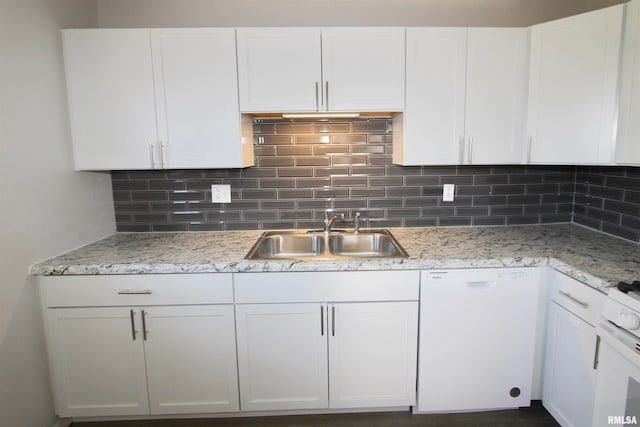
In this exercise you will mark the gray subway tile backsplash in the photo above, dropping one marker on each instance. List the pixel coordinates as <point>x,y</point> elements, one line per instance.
<point>303,168</point>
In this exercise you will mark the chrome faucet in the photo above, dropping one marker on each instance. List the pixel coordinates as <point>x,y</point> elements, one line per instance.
<point>356,223</point>
<point>328,221</point>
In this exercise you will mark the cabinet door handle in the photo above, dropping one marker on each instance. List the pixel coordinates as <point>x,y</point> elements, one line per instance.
<point>163,155</point>
<point>144,325</point>
<point>322,320</point>
<point>135,292</point>
<point>574,299</point>
<point>333,321</point>
<point>461,150</point>
<point>470,150</point>
<point>326,95</point>
<point>317,97</point>
<point>529,149</point>
<point>596,354</point>
<point>152,157</point>
<point>132,314</point>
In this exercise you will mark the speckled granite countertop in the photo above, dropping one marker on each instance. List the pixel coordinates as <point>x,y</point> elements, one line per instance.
<point>591,257</point>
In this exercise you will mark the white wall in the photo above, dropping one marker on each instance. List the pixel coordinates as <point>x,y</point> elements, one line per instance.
<point>45,207</point>
<point>193,13</point>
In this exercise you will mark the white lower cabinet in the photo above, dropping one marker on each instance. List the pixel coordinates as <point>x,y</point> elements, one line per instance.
<point>372,354</point>
<point>191,359</point>
<point>97,367</point>
<point>282,356</point>
<point>354,346</point>
<point>570,351</point>
<point>99,356</point>
<point>139,359</point>
<point>206,343</point>
<point>283,349</point>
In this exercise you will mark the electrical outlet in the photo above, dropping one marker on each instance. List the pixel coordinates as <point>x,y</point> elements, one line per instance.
<point>220,194</point>
<point>447,192</point>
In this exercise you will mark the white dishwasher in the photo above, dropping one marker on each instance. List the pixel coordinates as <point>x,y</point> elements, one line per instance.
<point>477,339</point>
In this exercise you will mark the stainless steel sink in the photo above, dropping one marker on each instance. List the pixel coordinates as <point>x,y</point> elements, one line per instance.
<point>287,245</point>
<point>365,244</point>
<point>320,245</point>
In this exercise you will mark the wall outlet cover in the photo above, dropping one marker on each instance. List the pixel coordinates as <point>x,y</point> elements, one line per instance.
<point>447,192</point>
<point>220,194</point>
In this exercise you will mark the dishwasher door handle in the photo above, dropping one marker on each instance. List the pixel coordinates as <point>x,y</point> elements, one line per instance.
<point>485,284</point>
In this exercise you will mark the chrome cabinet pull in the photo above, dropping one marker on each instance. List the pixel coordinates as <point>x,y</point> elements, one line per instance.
<point>133,324</point>
<point>326,95</point>
<point>529,149</point>
<point>317,97</point>
<point>470,150</point>
<point>333,321</point>
<point>322,320</point>
<point>135,292</point>
<point>152,148</point>
<point>144,325</point>
<point>574,299</point>
<point>163,155</point>
<point>596,354</point>
<point>461,150</point>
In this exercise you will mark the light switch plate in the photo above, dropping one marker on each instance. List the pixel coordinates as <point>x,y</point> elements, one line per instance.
<point>220,194</point>
<point>447,192</point>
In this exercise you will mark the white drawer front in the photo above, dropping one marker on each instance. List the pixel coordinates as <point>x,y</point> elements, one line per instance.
<point>326,286</point>
<point>127,290</point>
<point>580,299</point>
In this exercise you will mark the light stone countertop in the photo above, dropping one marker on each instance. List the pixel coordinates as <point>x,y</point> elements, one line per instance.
<point>594,258</point>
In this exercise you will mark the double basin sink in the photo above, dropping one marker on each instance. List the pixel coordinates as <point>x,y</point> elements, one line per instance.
<point>320,244</point>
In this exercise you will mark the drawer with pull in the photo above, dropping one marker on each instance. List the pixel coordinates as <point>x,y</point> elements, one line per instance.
<point>580,299</point>
<point>127,290</point>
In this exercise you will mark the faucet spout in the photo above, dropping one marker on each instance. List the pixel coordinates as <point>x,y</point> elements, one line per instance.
<point>328,221</point>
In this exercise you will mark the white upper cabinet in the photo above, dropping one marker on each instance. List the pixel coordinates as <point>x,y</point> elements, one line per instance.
<point>573,88</point>
<point>279,69</point>
<point>434,113</point>
<point>197,99</point>
<point>465,96</point>
<point>329,69</point>
<point>111,98</point>
<point>363,68</point>
<point>628,143</point>
<point>497,63</point>
<point>154,99</point>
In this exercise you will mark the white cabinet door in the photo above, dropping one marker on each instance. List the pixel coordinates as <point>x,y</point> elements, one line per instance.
<point>497,67</point>
<point>196,88</point>
<point>363,69</point>
<point>372,354</point>
<point>191,359</point>
<point>282,356</point>
<point>572,88</point>
<point>627,144</point>
<point>477,339</point>
<point>333,69</point>
<point>465,97</point>
<point>97,361</point>
<point>569,376</point>
<point>279,69</point>
<point>433,129</point>
<point>111,98</point>
<point>155,99</point>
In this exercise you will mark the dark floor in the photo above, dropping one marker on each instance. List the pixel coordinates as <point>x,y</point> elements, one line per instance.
<point>536,416</point>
